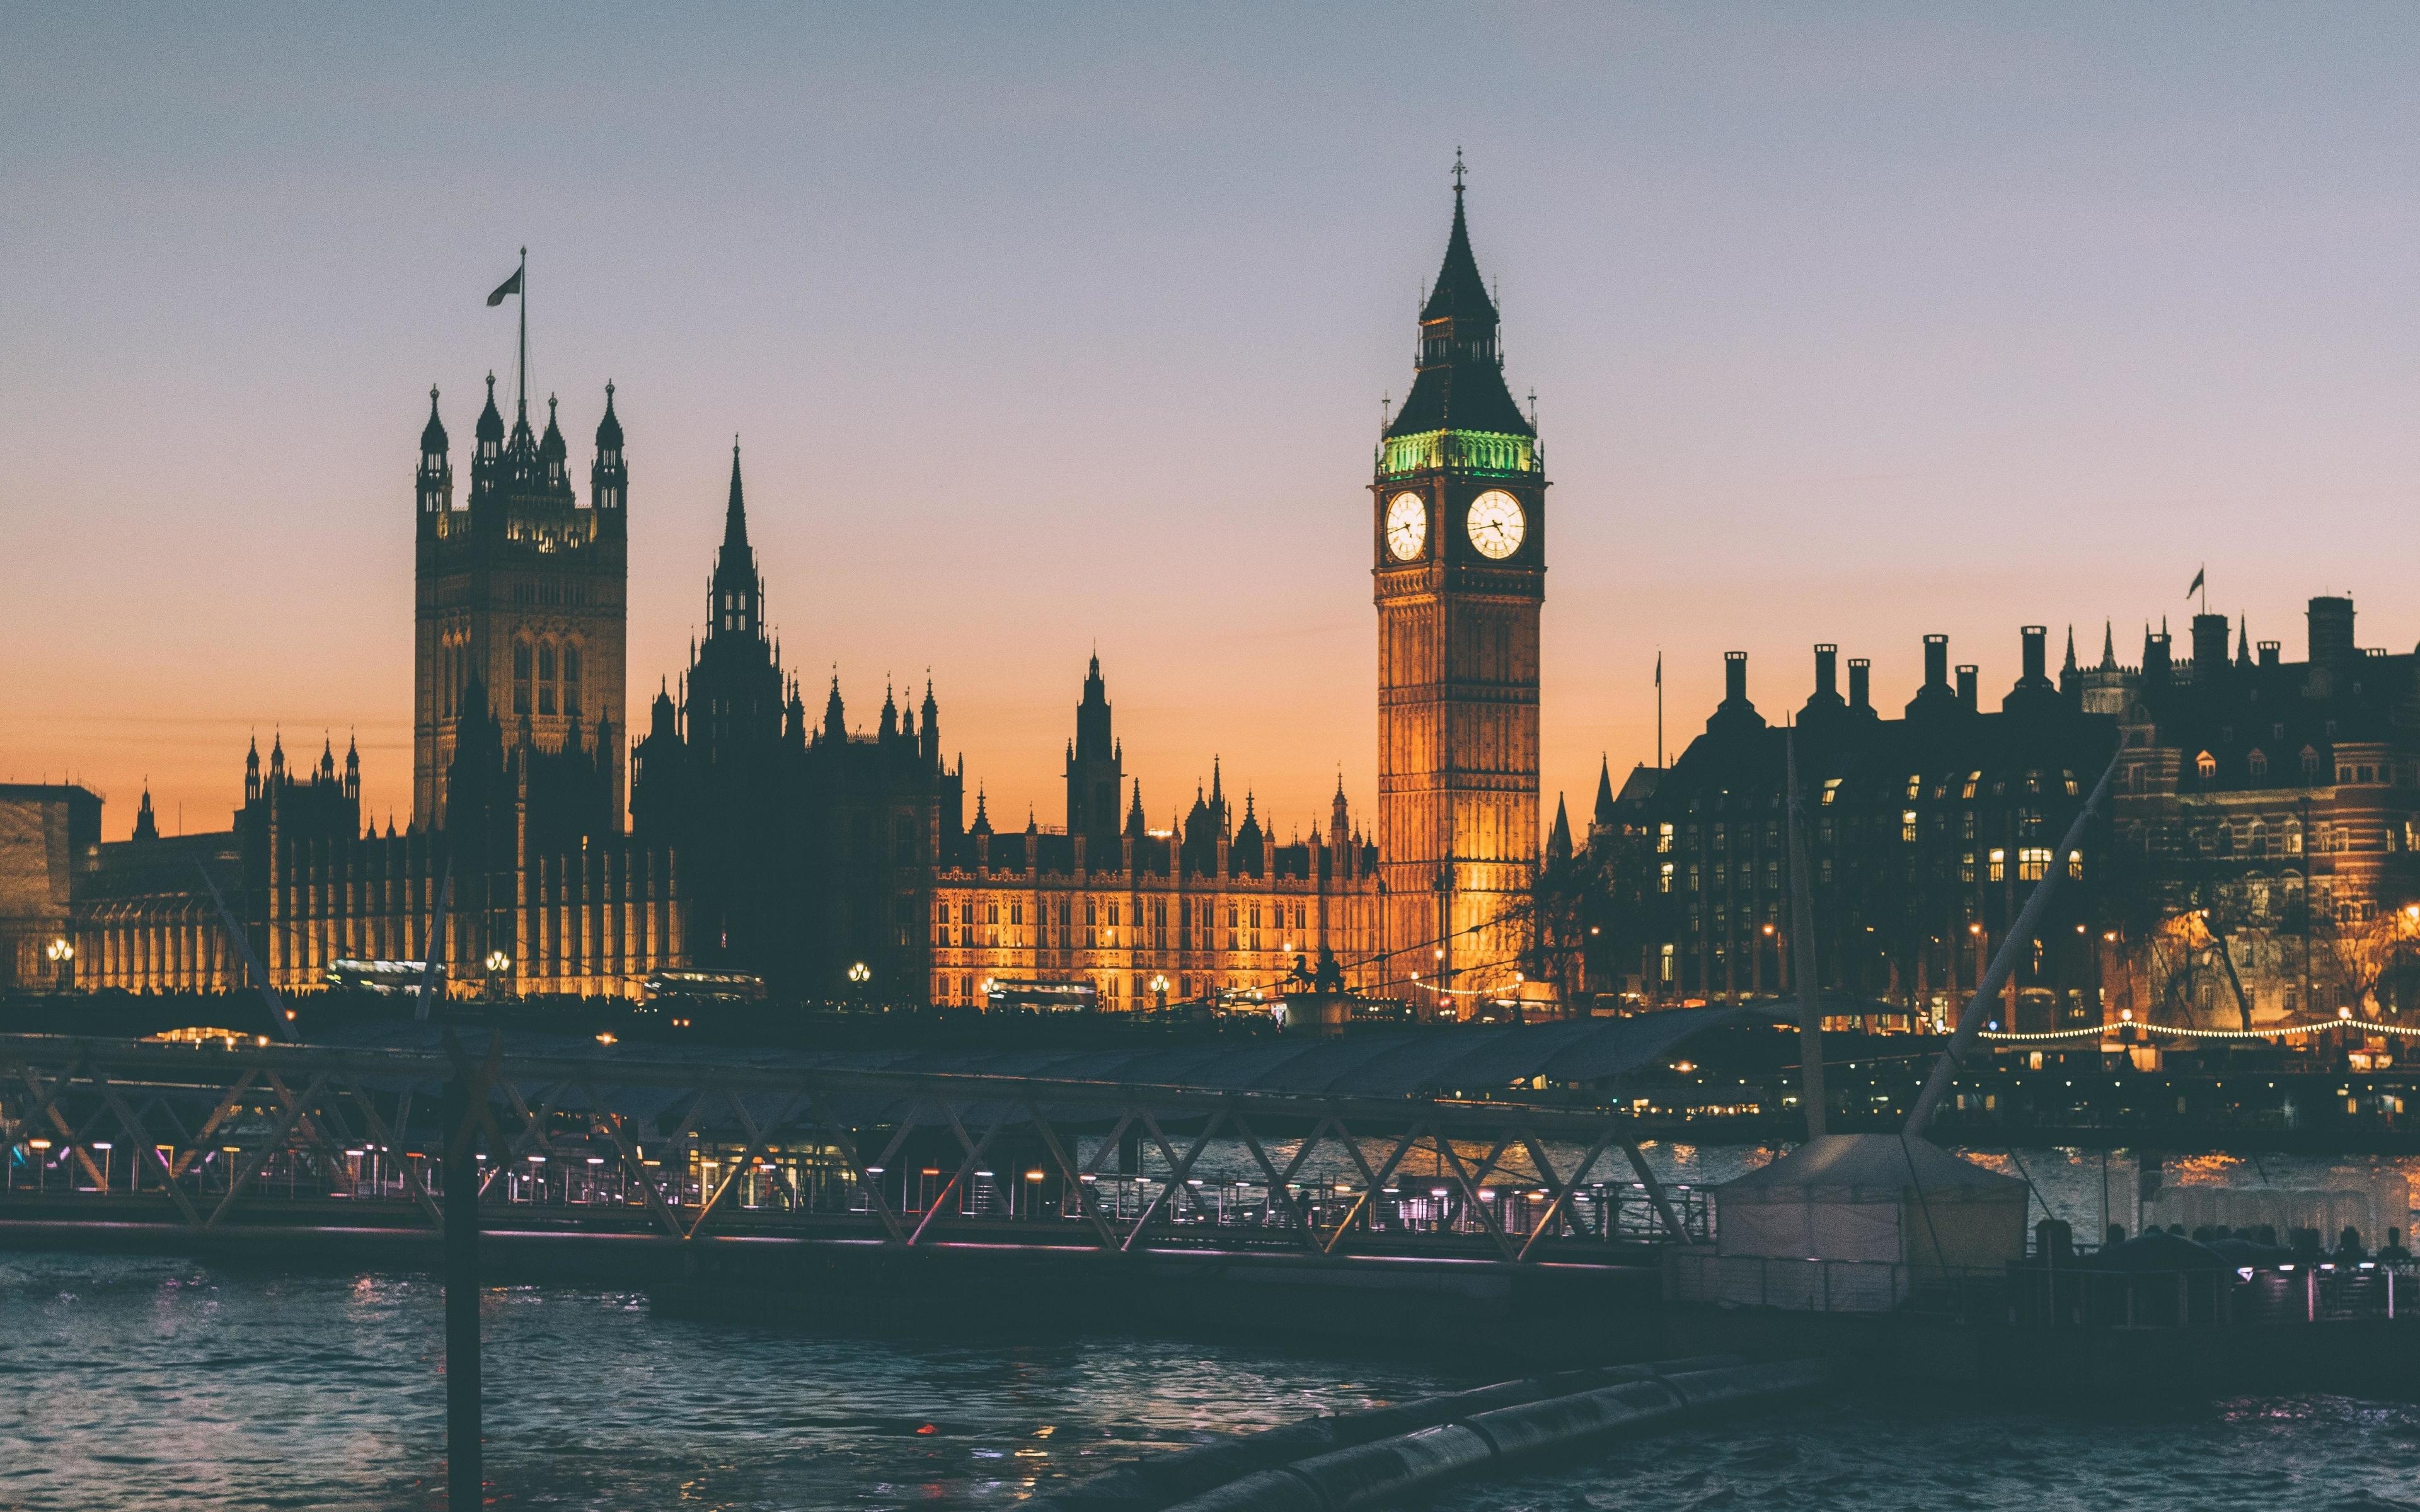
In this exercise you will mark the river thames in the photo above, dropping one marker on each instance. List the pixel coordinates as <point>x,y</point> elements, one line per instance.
<point>151,1382</point>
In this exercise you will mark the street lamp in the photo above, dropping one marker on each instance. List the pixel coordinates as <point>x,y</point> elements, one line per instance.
<point>1160,992</point>
<point>498,963</point>
<point>860,972</point>
<point>61,953</point>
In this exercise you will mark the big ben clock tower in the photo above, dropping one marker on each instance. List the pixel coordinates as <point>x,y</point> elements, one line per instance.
<point>1458,534</point>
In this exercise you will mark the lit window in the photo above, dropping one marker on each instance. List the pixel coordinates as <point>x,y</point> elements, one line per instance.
<point>1999,865</point>
<point>1831,789</point>
<point>2206,764</point>
<point>2032,861</point>
<point>1664,841</point>
<point>1663,878</point>
<point>2258,763</point>
<point>1907,825</point>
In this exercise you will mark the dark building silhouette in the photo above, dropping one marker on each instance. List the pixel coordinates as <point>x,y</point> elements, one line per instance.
<point>807,850</point>
<point>520,593</point>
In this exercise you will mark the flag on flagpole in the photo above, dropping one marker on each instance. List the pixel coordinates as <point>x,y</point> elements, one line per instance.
<point>2190,590</point>
<point>510,285</point>
<point>1659,668</point>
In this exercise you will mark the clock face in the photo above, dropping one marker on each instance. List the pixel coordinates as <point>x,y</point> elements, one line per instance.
<point>1407,525</point>
<point>1496,524</point>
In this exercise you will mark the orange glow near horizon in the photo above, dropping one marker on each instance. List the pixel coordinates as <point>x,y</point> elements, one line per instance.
<point>1845,326</point>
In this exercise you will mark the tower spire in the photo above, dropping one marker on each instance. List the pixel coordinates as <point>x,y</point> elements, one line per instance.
<point>1459,384</point>
<point>735,513</point>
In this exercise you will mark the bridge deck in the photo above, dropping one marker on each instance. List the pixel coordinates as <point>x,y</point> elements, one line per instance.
<point>109,1138</point>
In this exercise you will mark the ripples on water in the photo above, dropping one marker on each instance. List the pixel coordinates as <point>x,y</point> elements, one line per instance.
<point>151,1382</point>
<point>142,1383</point>
<point>2322,1453</point>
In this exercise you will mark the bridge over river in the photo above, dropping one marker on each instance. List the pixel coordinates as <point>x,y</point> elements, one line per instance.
<point>1372,1169</point>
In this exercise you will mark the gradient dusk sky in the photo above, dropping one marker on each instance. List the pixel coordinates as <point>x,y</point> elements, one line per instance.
<point>1048,326</point>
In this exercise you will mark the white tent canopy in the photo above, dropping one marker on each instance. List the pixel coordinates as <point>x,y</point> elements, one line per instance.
<point>1874,1197</point>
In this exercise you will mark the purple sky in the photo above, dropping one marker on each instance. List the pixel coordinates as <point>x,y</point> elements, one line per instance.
<point>1047,325</point>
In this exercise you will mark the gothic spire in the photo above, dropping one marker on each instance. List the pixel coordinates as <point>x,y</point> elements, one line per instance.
<point>551,447</point>
<point>1604,814</point>
<point>491,425</point>
<point>433,435</point>
<point>735,514</point>
<point>2069,668</point>
<point>1559,843</point>
<point>609,430</point>
<point>1460,382</point>
<point>2108,645</point>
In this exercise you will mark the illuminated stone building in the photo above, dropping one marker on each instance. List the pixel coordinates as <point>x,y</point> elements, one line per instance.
<point>49,837</point>
<point>1200,910</point>
<point>2257,861</point>
<point>311,883</point>
<point>1458,538</point>
<point>2273,809</point>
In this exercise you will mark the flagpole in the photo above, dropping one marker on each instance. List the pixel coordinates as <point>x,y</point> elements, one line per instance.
<point>522,380</point>
<point>1659,711</point>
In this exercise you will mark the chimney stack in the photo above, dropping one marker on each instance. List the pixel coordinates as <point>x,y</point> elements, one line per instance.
<point>1826,678</point>
<point>1966,674</point>
<point>2268,653</point>
<point>2037,640</point>
<point>2331,620</point>
<point>1936,661</point>
<point>1860,682</point>
<point>1734,677</point>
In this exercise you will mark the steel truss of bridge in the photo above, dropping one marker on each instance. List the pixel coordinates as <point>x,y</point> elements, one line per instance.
<point>217,1139</point>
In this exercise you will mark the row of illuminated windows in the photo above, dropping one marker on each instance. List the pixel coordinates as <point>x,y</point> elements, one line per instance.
<point>2029,822</point>
<point>968,988</point>
<point>2033,862</point>
<point>967,923</point>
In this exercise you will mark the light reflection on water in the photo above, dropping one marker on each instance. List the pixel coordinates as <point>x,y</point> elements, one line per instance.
<point>142,1383</point>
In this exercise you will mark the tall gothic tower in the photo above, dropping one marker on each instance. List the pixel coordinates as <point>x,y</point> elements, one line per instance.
<point>1095,759</point>
<point>518,598</point>
<point>1458,532</point>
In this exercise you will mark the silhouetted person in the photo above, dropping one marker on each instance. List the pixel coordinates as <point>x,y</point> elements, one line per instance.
<point>2349,1250</point>
<point>2115,1236</point>
<point>2393,1252</point>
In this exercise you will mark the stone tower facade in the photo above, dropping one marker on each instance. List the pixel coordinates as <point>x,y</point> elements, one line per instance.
<point>1458,536</point>
<point>519,599</point>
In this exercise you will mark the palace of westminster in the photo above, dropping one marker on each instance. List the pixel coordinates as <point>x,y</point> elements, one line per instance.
<point>2257,861</point>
